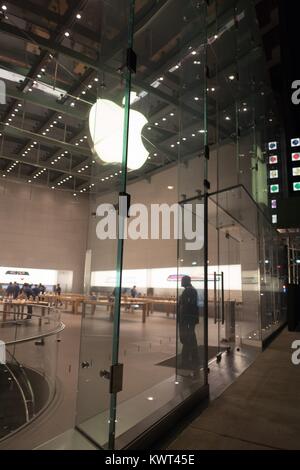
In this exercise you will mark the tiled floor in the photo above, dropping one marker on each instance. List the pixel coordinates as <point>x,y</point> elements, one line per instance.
<point>260,410</point>
<point>142,347</point>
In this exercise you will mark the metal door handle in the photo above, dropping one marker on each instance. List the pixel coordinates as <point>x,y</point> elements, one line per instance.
<point>223,303</point>
<point>215,295</point>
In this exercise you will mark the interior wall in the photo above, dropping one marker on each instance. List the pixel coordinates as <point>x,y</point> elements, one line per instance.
<point>185,178</point>
<point>41,228</point>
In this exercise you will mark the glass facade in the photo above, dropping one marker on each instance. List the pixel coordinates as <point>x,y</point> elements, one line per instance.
<point>177,123</point>
<point>205,117</point>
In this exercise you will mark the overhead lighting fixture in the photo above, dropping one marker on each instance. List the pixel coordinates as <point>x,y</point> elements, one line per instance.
<point>194,53</point>
<point>67,34</point>
<point>78,16</point>
<point>228,118</point>
<point>231,77</point>
<point>170,187</point>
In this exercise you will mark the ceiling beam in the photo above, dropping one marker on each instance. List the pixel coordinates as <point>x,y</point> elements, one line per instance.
<point>22,133</point>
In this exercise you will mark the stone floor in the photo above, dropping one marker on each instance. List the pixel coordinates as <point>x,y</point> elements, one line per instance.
<point>260,410</point>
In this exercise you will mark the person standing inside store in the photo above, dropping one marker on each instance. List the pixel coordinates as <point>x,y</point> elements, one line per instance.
<point>10,290</point>
<point>58,293</point>
<point>35,291</point>
<point>188,319</point>
<point>27,291</point>
<point>16,290</point>
<point>134,292</point>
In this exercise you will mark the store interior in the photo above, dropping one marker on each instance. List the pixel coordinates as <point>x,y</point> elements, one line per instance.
<point>191,124</point>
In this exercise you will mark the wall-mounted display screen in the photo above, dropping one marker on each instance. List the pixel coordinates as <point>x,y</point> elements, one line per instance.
<point>295,142</point>
<point>296,186</point>
<point>273,174</point>
<point>274,204</point>
<point>296,171</point>
<point>273,160</point>
<point>272,145</point>
<point>295,157</point>
<point>274,188</point>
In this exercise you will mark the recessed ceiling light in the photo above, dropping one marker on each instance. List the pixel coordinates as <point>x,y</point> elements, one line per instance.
<point>170,187</point>
<point>171,114</point>
<point>96,79</point>
<point>78,16</point>
<point>67,34</point>
<point>216,36</point>
<point>4,7</point>
<point>227,118</point>
<point>19,104</point>
<point>194,53</point>
<point>150,398</point>
<point>231,77</point>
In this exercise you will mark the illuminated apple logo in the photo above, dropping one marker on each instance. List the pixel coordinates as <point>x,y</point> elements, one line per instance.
<point>106,123</point>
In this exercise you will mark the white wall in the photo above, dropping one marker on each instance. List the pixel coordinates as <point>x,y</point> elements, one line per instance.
<point>42,228</point>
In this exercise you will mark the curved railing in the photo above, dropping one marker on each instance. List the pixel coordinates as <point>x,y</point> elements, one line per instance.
<point>28,377</point>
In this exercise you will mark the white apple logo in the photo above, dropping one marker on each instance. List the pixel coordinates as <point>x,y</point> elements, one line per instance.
<point>106,123</point>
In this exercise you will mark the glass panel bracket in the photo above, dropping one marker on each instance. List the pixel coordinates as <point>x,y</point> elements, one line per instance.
<point>115,377</point>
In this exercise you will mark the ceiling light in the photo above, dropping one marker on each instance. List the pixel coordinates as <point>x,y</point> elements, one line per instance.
<point>227,118</point>
<point>231,77</point>
<point>4,7</point>
<point>161,79</point>
<point>96,79</point>
<point>194,263</point>
<point>67,34</point>
<point>19,104</point>
<point>89,86</point>
<point>213,89</point>
<point>59,117</point>
<point>172,145</point>
<point>170,187</point>
<point>39,76</point>
<point>194,53</point>
<point>72,104</point>
<point>83,92</point>
<point>78,16</point>
<point>171,114</point>
<point>193,135</point>
<point>216,36</point>
<point>43,70</point>
<point>196,98</point>
<point>164,119</point>
<point>156,123</point>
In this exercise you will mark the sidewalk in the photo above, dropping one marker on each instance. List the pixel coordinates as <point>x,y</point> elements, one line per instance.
<point>261,410</point>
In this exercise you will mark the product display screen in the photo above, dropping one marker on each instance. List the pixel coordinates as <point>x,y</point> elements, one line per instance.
<point>296,186</point>
<point>296,171</point>
<point>274,188</point>
<point>295,142</point>
<point>295,157</point>
<point>273,160</point>
<point>273,174</point>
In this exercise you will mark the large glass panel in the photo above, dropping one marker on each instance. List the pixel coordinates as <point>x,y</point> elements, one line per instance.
<point>108,130</point>
<point>170,94</point>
